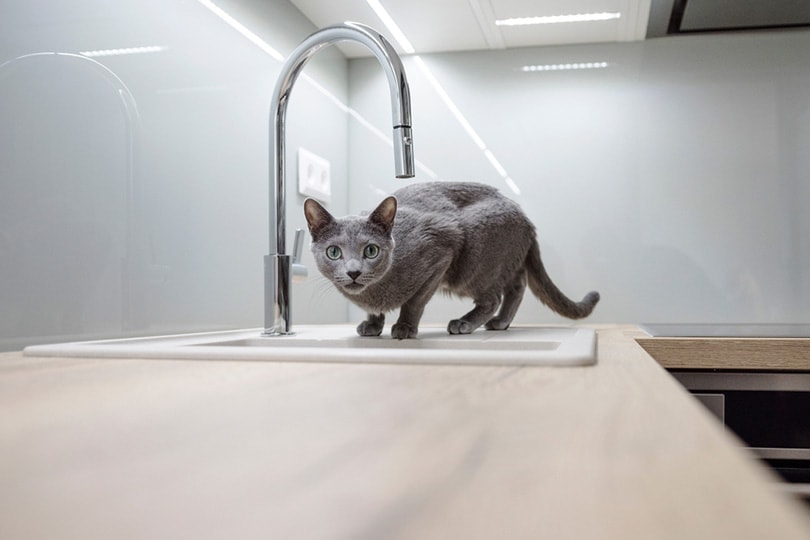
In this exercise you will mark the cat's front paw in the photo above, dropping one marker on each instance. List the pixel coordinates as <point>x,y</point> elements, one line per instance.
<point>496,323</point>
<point>369,329</point>
<point>403,331</point>
<point>460,326</point>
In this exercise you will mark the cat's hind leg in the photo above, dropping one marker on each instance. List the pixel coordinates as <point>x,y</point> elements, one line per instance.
<point>485,306</point>
<point>372,326</point>
<point>512,296</point>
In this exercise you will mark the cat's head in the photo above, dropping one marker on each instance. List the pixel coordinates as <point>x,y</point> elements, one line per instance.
<point>355,251</point>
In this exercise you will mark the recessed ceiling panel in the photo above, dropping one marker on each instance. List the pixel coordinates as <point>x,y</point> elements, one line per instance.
<point>525,8</point>
<point>558,34</point>
<point>621,29</point>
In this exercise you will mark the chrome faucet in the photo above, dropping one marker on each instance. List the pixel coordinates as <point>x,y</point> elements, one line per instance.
<point>278,266</point>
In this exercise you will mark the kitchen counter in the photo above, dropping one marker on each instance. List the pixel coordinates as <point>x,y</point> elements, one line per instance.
<point>95,448</point>
<point>750,354</point>
<point>750,347</point>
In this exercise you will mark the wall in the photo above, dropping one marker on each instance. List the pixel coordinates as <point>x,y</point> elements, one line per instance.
<point>89,249</point>
<point>674,181</point>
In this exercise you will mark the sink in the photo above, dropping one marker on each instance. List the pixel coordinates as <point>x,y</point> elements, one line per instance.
<point>518,346</point>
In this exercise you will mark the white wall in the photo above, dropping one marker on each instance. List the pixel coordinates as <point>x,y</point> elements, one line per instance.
<point>675,181</point>
<point>199,195</point>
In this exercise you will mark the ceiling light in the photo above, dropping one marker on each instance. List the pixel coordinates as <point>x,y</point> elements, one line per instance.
<point>456,112</point>
<point>276,55</point>
<point>242,29</point>
<point>565,67</point>
<point>392,27</point>
<point>450,104</point>
<point>128,50</point>
<point>554,19</point>
<point>511,183</point>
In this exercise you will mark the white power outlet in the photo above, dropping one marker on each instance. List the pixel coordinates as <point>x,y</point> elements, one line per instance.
<point>314,176</point>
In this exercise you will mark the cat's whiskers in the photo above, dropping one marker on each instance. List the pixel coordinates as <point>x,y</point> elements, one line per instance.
<point>323,288</point>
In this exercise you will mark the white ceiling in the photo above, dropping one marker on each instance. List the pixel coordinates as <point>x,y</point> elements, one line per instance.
<point>464,25</point>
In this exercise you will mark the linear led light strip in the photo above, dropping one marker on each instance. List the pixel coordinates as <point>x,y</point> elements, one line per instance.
<point>556,19</point>
<point>242,29</point>
<point>565,67</point>
<point>392,26</point>
<point>403,41</point>
<point>454,110</point>
<point>276,55</point>
<point>128,50</point>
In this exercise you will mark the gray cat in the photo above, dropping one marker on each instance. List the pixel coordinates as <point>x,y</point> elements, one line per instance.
<point>464,238</point>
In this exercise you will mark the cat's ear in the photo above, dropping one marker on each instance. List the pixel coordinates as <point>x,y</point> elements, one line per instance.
<point>384,214</point>
<point>318,218</point>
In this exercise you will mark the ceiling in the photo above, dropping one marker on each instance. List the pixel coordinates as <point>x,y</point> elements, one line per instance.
<point>464,25</point>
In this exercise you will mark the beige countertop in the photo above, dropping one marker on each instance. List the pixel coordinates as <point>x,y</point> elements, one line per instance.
<point>751,347</point>
<point>225,449</point>
<point>755,354</point>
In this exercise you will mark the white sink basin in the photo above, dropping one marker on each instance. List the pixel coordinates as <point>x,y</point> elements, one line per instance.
<point>520,345</point>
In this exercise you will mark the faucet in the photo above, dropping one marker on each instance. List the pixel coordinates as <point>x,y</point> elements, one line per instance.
<point>278,265</point>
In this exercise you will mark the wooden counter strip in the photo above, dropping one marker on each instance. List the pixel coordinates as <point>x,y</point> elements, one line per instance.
<point>729,353</point>
<point>145,449</point>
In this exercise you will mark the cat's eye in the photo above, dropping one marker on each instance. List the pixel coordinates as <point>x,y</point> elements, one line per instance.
<point>371,251</point>
<point>333,252</point>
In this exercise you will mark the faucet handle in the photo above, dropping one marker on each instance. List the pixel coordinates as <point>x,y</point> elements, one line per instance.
<point>299,271</point>
<point>298,245</point>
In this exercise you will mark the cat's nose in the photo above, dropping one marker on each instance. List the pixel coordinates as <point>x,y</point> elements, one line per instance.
<point>354,274</point>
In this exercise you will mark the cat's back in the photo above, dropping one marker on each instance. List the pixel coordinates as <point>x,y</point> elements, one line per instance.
<point>445,196</point>
<point>488,234</point>
<point>469,204</point>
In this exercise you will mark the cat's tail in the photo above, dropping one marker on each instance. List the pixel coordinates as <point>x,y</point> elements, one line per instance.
<point>548,293</point>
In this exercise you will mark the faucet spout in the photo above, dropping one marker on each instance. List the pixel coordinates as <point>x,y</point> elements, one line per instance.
<point>277,265</point>
<point>403,152</point>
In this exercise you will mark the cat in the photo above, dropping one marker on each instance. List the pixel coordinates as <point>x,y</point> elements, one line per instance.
<point>464,238</point>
